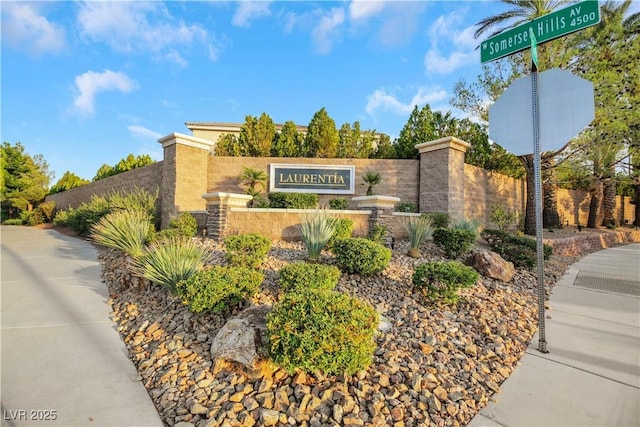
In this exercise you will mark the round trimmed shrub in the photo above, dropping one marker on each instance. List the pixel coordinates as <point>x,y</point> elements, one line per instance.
<point>361,256</point>
<point>444,279</point>
<point>247,250</point>
<point>218,288</point>
<point>454,241</point>
<point>301,275</point>
<point>322,330</point>
<point>343,230</point>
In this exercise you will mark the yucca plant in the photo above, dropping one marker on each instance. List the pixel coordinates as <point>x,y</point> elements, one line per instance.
<point>420,230</point>
<point>124,230</point>
<point>167,262</point>
<point>472,225</point>
<point>316,230</point>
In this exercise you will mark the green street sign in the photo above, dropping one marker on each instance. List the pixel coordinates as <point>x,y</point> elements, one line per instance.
<point>534,47</point>
<point>548,27</point>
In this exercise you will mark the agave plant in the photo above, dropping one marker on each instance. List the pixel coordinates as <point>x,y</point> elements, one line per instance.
<point>420,230</point>
<point>167,262</point>
<point>124,230</point>
<point>316,230</point>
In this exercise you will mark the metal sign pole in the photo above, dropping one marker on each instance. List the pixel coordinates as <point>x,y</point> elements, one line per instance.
<point>542,342</point>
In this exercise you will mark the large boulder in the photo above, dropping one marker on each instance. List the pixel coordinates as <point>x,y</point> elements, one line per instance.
<point>492,265</point>
<point>241,338</point>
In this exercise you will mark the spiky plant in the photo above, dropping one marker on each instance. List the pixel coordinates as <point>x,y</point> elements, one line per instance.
<point>124,230</point>
<point>316,230</point>
<point>420,230</point>
<point>167,262</point>
<point>472,225</point>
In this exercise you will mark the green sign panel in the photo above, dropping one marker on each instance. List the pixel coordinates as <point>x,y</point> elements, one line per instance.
<point>318,179</point>
<point>548,27</point>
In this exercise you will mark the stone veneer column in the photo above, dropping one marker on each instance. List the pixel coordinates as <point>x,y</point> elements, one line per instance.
<point>442,176</point>
<point>382,208</point>
<point>184,174</point>
<point>218,207</point>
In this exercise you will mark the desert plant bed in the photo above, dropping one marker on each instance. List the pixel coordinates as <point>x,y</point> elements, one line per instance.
<point>434,363</point>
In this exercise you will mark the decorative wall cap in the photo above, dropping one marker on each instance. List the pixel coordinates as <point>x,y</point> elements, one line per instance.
<point>439,144</point>
<point>191,141</point>
<point>330,212</point>
<point>387,202</point>
<point>228,199</point>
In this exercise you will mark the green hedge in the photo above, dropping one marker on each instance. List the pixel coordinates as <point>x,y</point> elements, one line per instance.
<point>454,241</point>
<point>339,203</point>
<point>301,275</point>
<point>247,250</point>
<point>442,280</point>
<point>218,288</point>
<point>322,330</point>
<point>293,200</point>
<point>361,256</point>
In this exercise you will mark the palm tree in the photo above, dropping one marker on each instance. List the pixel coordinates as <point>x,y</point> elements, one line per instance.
<point>371,179</point>
<point>254,181</point>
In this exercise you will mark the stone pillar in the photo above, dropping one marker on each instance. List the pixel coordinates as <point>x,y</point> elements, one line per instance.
<point>382,208</point>
<point>184,174</point>
<point>442,176</point>
<point>218,207</point>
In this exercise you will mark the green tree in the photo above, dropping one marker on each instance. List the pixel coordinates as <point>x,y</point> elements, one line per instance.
<point>68,181</point>
<point>385,149</point>
<point>253,181</point>
<point>125,164</point>
<point>420,127</point>
<point>228,145</point>
<point>322,137</point>
<point>288,142</point>
<point>348,140</point>
<point>25,179</point>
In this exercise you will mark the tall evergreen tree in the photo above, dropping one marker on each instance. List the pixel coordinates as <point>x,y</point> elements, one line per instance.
<point>288,142</point>
<point>68,181</point>
<point>420,127</point>
<point>322,137</point>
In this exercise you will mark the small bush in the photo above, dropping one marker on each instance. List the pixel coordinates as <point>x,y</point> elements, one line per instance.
<point>247,250</point>
<point>377,233</point>
<point>13,221</point>
<point>361,256</point>
<point>420,230</point>
<point>502,217</point>
<point>218,288</point>
<point>343,228</point>
<point>442,280</point>
<point>279,200</point>
<point>167,262</point>
<point>134,200</point>
<point>407,207</point>
<point>520,250</point>
<point>454,241</point>
<point>472,225</point>
<point>339,203</point>
<point>316,230</point>
<point>124,230</point>
<point>439,219</point>
<point>324,331</point>
<point>47,209</point>
<point>62,218</point>
<point>301,275</point>
<point>33,217</point>
<point>82,219</point>
<point>185,224</point>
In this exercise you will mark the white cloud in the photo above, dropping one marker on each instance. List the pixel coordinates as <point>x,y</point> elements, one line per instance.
<point>142,132</point>
<point>327,30</point>
<point>401,21</point>
<point>361,10</point>
<point>174,56</point>
<point>380,100</point>
<point>434,62</point>
<point>24,28</point>
<point>133,27</point>
<point>248,11</point>
<point>460,44</point>
<point>89,84</point>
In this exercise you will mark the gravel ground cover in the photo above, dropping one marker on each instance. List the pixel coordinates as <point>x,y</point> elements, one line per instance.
<point>436,365</point>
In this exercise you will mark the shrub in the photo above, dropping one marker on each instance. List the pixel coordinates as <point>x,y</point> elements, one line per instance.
<point>185,224</point>
<point>407,207</point>
<point>12,221</point>
<point>520,250</point>
<point>62,217</point>
<point>82,219</point>
<point>167,262</point>
<point>466,224</point>
<point>339,203</point>
<point>32,217</point>
<point>361,256</point>
<point>420,230</point>
<point>502,217</point>
<point>279,200</point>
<point>301,275</point>
<point>124,230</point>
<point>324,331</point>
<point>247,250</point>
<point>454,241</point>
<point>439,219</point>
<point>134,200</point>
<point>343,228</point>
<point>218,288</point>
<point>377,232</point>
<point>47,209</point>
<point>316,230</point>
<point>444,279</point>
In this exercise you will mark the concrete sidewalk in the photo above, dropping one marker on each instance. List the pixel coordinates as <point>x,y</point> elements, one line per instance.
<point>63,362</point>
<point>591,375</point>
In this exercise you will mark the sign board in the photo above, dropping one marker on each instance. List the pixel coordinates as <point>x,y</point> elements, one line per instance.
<point>319,179</point>
<point>565,107</point>
<point>548,27</point>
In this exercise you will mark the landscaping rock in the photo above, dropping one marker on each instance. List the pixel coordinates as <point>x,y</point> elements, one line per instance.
<point>492,265</point>
<point>241,337</point>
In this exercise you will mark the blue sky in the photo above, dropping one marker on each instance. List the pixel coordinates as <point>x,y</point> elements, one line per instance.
<point>87,83</point>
